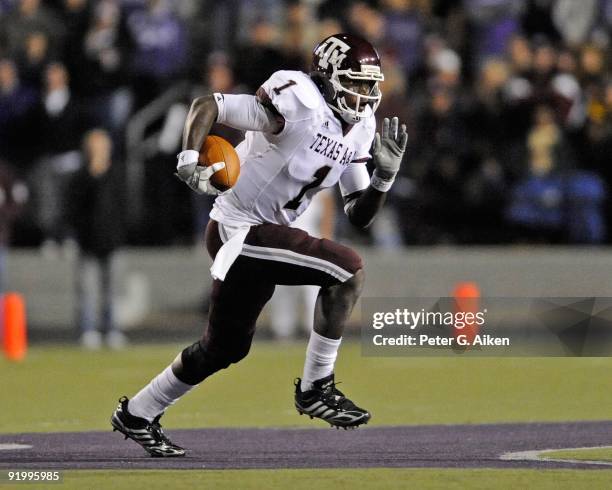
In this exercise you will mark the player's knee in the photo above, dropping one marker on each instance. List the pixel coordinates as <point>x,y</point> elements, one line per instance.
<point>192,366</point>
<point>198,362</point>
<point>355,283</point>
<point>238,353</point>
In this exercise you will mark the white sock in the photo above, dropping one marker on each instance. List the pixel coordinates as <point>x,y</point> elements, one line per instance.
<point>321,356</point>
<point>163,390</point>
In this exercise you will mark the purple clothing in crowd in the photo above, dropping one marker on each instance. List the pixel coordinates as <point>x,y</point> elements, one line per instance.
<point>160,43</point>
<point>404,35</point>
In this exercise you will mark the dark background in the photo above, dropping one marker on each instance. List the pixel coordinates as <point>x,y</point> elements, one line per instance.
<point>508,106</point>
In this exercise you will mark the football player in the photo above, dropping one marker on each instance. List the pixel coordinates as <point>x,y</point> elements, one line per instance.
<point>304,133</point>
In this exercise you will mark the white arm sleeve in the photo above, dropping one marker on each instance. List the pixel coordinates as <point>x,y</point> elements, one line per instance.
<point>354,178</point>
<point>244,112</point>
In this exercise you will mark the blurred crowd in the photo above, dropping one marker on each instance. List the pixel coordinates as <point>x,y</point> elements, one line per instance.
<point>508,106</point>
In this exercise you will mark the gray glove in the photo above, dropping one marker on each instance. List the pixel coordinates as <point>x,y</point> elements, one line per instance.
<point>196,176</point>
<point>389,150</point>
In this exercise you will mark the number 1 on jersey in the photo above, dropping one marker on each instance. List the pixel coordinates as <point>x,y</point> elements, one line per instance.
<point>278,90</point>
<point>319,175</point>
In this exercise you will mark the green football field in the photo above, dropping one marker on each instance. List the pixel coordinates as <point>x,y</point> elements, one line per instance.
<point>66,389</point>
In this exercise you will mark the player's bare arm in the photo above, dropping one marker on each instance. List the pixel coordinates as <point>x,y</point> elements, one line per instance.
<point>245,112</point>
<point>202,115</point>
<point>362,206</point>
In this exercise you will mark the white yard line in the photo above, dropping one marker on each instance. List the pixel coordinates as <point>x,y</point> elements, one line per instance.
<point>538,456</point>
<point>11,446</point>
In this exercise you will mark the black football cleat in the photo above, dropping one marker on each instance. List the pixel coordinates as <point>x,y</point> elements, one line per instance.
<point>148,434</point>
<point>327,403</point>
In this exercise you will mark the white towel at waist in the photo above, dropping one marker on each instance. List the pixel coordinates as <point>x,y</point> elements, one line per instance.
<point>233,237</point>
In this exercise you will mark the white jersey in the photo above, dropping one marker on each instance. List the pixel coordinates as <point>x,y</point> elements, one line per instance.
<point>280,173</point>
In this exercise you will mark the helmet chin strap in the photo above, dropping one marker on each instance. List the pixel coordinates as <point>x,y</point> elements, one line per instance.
<point>347,117</point>
<point>352,116</point>
<point>331,94</point>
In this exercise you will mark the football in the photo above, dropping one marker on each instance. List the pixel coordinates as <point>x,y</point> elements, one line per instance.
<point>216,149</point>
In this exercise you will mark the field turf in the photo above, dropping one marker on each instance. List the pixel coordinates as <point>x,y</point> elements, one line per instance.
<point>383,478</point>
<point>65,389</point>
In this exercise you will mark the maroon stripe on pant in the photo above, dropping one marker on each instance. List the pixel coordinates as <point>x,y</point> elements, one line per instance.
<point>294,240</point>
<point>237,301</point>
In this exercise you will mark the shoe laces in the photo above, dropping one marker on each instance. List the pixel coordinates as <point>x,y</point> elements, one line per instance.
<point>333,394</point>
<point>157,430</point>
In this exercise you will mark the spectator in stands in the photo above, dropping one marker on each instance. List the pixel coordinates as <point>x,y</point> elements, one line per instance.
<point>486,117</point>
<point>76,15</point>
<point>252,13</point>
<point>328,26</point>
<point>536,206</point>
<point>544,142</point>
<point>260,56</point>
<point>405,27</point>
<point>17,106</point>
<point>297,44</point>
<point>60,126</point>
<point>158,47</point>
<point>489,154</point>
<point>493,23</point>
<point>565,83</point>
<point>367,21</point>
<point>520,56</point>
<point>544,64</point>
<point>95,213</point>
<point>592,66</point>
<point>61,121</point>
<point>33,59</point>
<point>105,82</point>
<point>575,20</point>
<point>29,16</point>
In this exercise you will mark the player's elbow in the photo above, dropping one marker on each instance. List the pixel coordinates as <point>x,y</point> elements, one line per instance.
<point>361,223</point>
<point>359,220</point>
<point>204,104</point>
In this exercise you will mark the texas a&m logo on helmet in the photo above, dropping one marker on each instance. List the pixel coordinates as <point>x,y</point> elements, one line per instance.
<point>331,51</point>
<point>346,68</point>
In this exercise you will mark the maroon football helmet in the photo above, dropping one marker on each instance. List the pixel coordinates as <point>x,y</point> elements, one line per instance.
<point>344,64</point>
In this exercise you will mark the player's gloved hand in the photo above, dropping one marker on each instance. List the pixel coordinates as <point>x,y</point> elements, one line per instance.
<point>388,153</point>
<point>196,176</point>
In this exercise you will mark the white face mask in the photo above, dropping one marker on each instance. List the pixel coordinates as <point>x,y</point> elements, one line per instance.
<point>363,102</point>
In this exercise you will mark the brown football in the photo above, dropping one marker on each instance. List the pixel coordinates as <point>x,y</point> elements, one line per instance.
<point>216,149</point>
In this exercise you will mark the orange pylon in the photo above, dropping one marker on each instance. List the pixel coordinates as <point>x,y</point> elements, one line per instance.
<point>15,340</point>
<point>467,301</point>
